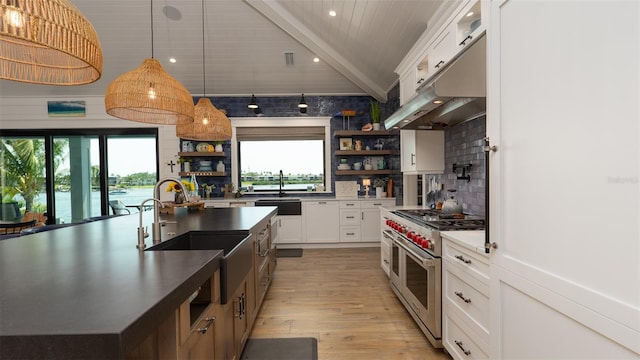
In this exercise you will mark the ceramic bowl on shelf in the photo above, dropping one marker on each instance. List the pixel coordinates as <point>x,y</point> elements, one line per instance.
<point>344,167</point>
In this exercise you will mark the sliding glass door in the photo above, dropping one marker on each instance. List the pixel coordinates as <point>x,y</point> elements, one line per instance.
<point>132,171</point>
<point>73,175</point>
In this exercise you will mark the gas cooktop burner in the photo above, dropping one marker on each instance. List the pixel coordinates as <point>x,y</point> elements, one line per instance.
<point>435,219</point>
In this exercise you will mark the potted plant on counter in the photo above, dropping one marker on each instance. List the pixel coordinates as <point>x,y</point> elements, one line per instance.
<point>379,184</point>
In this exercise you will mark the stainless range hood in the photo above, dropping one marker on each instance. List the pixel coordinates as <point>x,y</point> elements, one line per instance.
<point>459,91</point>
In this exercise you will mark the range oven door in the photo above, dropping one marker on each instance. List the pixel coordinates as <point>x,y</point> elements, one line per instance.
<point>419,282</point>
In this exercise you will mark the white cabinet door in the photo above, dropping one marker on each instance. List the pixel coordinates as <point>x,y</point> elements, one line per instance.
<point>422,151</point>
<point>290,230</point>
<point>322,220</point>
<point>564,115</point>
<point>370,216</point>
<point>443,49</point>
<point>407,85</point>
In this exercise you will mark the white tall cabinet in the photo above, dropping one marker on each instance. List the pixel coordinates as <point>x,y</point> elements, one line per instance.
<point>564,114</point>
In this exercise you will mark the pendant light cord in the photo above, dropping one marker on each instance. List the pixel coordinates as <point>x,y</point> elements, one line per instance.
<point>152,29</point>
<point>204,73</point>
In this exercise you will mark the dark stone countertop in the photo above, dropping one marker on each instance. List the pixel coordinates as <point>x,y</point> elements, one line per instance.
<point>86,291</point>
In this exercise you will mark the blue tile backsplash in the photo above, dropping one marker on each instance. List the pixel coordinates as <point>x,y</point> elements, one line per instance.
<point>463,142</point>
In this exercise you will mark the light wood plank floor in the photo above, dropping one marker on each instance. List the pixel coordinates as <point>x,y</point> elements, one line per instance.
<point>341,297</point>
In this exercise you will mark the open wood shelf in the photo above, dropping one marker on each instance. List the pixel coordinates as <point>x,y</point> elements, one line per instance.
<point>362,152</point>
<point>363,172</point>
<point>361,133</point>
<point>202,173</point>
<point>202,153</point>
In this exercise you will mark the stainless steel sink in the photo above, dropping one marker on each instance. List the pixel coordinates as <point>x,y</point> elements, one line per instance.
<point>236,247</point>
<point>285,206</point>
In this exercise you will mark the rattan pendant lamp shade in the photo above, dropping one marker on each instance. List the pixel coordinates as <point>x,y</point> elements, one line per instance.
<point>209,123</point>
<point>47,42</point>
<point>148,94</point>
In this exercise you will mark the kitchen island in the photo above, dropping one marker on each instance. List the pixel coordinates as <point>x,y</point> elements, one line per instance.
<point>85,291</point>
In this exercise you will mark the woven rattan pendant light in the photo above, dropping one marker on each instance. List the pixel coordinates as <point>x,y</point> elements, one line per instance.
<point>47,42</point>
<point>149,94</point>
<point>209,123</point>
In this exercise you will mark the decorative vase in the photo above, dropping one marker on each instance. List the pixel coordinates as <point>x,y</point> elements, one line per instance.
<point>179,197</point>
<point>186,166</point>
<point>196,188</point>
<point>220,166</point>
<point>218,148</point>
<point>379,192</point>
<point>376,126</point>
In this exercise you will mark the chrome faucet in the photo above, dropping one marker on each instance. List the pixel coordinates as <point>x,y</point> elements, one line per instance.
<point>156,209</point>
<point>142,231</point>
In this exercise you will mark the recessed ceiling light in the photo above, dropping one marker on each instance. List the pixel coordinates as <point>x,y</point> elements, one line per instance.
<point>172,60</point>
<point>470,13</point>
<point>332,13</point>
<point>315,59</point>
<point>437,101</point>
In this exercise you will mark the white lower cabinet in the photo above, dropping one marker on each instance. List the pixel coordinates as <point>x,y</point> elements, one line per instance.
<point>321,221</point>
<point>360,219</point>
<point>289,229</point>
<point>465,298</point>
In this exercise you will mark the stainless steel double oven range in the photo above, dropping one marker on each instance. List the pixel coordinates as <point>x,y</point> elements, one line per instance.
<point>416,262</point>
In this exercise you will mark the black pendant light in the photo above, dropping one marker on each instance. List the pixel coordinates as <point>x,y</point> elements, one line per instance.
<point>254,103</point>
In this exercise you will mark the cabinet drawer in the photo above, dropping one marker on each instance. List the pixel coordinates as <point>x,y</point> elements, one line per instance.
<point>460,342</point>
<point>471,298</point>
<point>350,217</point>
<point>374,204</point>
<point>349,233</point>
<point>468,261</point>
<point>350,204</point>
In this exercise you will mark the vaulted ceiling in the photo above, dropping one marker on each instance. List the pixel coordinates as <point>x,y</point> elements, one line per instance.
<point>246,41</point>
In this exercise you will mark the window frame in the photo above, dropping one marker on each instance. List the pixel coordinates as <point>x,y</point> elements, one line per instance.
<point>282,122</point>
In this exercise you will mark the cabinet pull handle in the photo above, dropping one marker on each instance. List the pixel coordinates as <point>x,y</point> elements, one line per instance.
<point>351,204</point>
<point>386,261</point>
<point>350,217</point>
<point>439,64</point>
<point>351,233</point>
<point>322,202</point>
<point>242,300</point>
<point>460,345</point>
<point>266,280</point>
<point>463,42</point>
<point>413,157</point>
<point>377,204</point>
<point>420,81</point>
<point>461,258</point>
<point>209,320</point>
<point>362,215</point>
<point>461,296</point>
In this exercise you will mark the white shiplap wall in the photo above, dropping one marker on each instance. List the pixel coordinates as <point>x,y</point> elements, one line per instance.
<point>31,113</point>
